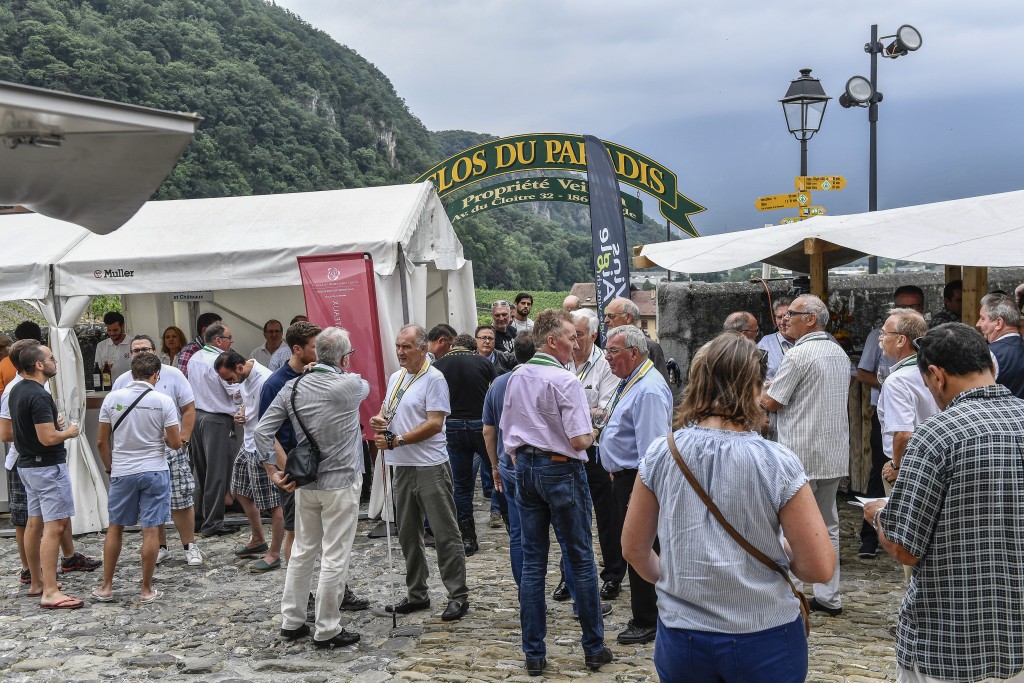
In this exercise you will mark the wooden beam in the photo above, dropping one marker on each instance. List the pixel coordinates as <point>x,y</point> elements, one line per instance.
<point>817,249</point>
<point>953,273</point>
<point>975,286</point>
<point>643,262</point>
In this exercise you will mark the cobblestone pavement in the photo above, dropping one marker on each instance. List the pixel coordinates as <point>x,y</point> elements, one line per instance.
<point>219,623</point>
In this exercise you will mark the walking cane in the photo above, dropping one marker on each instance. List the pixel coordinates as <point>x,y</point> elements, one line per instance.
<point>387,525</point>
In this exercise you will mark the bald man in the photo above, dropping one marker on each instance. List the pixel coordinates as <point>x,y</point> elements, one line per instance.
<point>743,323</point>
<point>571,303</point>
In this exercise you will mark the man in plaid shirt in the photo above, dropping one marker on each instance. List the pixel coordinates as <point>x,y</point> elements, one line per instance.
<point>956,515</point>
<point>202,322</point>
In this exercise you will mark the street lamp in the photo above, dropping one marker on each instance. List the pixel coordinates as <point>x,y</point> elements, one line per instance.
<point>804,107</point>
<point>863,92</point>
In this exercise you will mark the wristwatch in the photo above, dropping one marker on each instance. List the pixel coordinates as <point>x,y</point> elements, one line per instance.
<point>184,444</point>
<point>401,440</point>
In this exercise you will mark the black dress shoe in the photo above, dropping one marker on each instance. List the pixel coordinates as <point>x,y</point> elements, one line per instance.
<point>535,667</point>
<point>406,607</point>
<point>595,662</point>
<point>561,592</point>
<point>351,603</point>
<point>868,549</point>
<point>219,531</point>
<point>295,633</point>
<point>637,635</point>
<point>610,590</point>
<point>455,610</point>
<point>342,639</point>
<point>818,607</point>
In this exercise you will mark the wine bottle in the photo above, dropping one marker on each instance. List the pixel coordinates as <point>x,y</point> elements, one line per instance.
<point>97,379</point>
<point>107,384</point>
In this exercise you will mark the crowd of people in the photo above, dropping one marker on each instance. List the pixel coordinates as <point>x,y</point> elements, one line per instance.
<point>719,511</point>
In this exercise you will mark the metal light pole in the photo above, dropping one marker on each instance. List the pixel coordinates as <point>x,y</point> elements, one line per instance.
<point>862,92</point>
<point>804,108</point>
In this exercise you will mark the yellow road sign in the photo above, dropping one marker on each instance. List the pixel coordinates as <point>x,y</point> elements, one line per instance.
<point>819,182</point>
<point>792,219</point>
<point>812,211</point>
<point>782,201</point>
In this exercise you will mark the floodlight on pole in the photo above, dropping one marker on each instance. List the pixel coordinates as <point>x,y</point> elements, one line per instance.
<point>863,92</point>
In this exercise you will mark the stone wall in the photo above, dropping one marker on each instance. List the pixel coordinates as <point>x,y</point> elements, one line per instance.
<point>691,313</point>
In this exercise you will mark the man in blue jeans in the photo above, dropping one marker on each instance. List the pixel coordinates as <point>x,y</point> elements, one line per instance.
<point>546,426</point>
<point>468,375</point>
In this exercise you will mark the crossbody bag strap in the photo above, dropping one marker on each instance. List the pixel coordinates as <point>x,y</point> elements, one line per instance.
<point>717,514</point>
<point>125,413</point>
<point>309,437</point>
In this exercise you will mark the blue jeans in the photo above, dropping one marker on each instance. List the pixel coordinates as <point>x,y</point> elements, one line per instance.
<point>775,655</point>
<point>515,531</point>
<point>482,468</point>
<point>554,492</point>
<point>465,441</point>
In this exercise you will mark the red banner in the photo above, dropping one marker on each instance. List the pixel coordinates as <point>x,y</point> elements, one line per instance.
<point>339,292</point>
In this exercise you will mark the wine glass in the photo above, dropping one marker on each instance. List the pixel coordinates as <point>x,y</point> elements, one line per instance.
<point>62,415</point>
<point>75,415</point>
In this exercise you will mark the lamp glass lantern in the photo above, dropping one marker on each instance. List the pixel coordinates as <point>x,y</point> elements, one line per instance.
<point>804,106</point>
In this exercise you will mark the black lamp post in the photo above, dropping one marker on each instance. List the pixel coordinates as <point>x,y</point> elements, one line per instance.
<point>804,108</point>
<point>862,92</point>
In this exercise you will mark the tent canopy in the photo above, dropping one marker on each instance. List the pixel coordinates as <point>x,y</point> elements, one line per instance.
<point>25,258</point>
<point>252,242</point>
<point>977,231</point>
<point>84,160</point>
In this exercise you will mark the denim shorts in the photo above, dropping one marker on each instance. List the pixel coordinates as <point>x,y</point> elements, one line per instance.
<point>143,498</point>
<point>49,492</point>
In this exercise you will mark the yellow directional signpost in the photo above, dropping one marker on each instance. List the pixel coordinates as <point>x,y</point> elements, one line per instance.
<point>819,182</point>
<point>783,201</point>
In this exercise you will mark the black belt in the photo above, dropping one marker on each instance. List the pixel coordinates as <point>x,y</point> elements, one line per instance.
<point>531,450</point>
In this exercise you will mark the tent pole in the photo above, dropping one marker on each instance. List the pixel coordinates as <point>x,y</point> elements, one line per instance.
<point>817,250</point>
<point>405,287</point>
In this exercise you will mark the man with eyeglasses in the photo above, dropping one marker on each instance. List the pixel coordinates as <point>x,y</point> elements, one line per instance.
<point>955,517</point>
<point>214,441</point>
<point>871,372</point>
<point>639,413</point>
<point>504,333</point>
<point>173,384</point>
<point>622,311</point>
<point>485,337</point>
<point>39,437</point>
<point>776,345</point>
<point>810,393</point>
<point>273,335</point>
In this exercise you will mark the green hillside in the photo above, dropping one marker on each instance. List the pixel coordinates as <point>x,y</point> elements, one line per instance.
<point>286,109</point>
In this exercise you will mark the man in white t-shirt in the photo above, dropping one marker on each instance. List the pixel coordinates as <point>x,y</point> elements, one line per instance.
<point>174,385</point>
<point>137,424</point>
<point>250,483</point>
<point>273,333</point>
<point>521,315</point>
<point>411,439</point>
<point>115,349</point>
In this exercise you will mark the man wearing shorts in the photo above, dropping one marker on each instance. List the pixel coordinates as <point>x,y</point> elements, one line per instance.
<point>174,385</point>
<point>135,424</point>
<point>250,484</point>
<point>42,464</point>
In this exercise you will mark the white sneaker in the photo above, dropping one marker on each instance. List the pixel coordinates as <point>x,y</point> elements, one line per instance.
<point>162,555</point>
<point>193,555</point>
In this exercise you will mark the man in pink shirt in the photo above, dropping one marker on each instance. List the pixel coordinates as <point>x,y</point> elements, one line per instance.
<point>546,428</point>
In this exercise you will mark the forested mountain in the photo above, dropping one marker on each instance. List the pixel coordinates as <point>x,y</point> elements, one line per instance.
<point>285,107</point>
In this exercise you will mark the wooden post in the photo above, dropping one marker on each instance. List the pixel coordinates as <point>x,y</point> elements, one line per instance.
<point>953,273</point>
<point>817,250</point>
<point>975,286</point>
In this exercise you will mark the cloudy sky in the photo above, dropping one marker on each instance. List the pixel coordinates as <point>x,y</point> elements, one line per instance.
<point>696,87</point>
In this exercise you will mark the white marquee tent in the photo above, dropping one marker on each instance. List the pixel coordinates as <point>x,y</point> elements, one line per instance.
<point>976,231</point>
<point>242,250</point>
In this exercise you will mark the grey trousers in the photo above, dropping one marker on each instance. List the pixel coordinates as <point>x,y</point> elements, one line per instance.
<point>213,448</point>
<point>825,491</point>
<point>428,492</point>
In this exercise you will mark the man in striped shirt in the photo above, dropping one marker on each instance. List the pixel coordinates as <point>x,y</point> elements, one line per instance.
<point>810,394</point>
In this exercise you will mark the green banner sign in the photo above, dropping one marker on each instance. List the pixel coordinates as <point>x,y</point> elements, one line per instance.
<point>556,151</point>
<point>542,189</point>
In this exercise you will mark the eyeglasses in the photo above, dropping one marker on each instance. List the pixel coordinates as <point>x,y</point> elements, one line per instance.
<point>350,352</point>
<point>614,351</point>
<point>149,350</point>
<point>613,315</point>
<point>791,313</point>
<point>486,339</point>
<point>917,342</point>
<point>886,333</point>
<point>224,336</point>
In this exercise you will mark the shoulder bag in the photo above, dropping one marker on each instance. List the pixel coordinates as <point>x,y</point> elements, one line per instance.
<point>125,413</point>
<point>303,462</point>
<point>805,608</point>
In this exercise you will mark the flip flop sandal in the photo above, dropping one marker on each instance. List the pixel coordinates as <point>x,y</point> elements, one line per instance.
<point>66,603</point>
<point>101,598</point>
<point>153,598</point>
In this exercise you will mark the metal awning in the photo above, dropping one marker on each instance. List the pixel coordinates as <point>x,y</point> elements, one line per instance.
<point>85,160</point>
